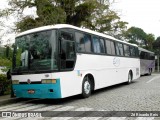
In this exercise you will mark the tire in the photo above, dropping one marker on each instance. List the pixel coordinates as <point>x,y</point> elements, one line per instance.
<point>86,87</point>
<point>150,72</point>
<point>129,77</point>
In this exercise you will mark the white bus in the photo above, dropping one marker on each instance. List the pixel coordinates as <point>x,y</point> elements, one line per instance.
<point>63,60</point>
<point>147,61</point>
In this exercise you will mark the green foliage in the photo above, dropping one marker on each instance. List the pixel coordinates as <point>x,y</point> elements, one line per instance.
<point>156,45</point>
<point>91,14</point>
<point>2,51</point>
<point>137,35</point>
<point>150,39</point>
<point>3,77</point>
<point>6,61</point>
<point>5,84</point>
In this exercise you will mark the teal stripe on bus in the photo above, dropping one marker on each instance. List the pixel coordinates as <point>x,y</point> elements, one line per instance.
<point>41,90</point>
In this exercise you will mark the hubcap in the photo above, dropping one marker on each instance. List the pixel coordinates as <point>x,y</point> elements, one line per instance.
<point>87,87</point>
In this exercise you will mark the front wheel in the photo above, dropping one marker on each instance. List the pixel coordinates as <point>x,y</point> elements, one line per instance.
<point>86,87</point>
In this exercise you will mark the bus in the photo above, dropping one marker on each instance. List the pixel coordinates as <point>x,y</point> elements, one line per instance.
<point>59,61</point>
<point>147,61</point>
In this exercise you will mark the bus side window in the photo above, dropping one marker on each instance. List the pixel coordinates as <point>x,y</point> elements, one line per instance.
<point>120,46</point>
<point>87,43</point>
<point>108,47</point>
<point>96,44</point>
<point>80,42</point>
<point>102,45</point>
<point>113,48</point>
<point>83,42</point>
<point>119,49</point>
<point>126,50</point>
<point>132,51</point>
<point>67,50</point>
<point>142,55</point>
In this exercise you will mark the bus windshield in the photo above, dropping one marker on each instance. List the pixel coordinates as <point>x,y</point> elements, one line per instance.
<point>36,52</point>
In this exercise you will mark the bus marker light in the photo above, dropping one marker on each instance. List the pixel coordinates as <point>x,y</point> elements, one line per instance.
<point>54,81</point>
<point>48,81</point>
<point>15,81</point>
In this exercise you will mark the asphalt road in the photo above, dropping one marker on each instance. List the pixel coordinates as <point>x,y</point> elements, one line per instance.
<point>142,94</point>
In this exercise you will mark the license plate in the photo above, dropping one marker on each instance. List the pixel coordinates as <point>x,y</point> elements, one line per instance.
<point>31,91</point>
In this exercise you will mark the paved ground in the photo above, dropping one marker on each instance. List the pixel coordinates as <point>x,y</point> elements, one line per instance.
<point>142,95</point>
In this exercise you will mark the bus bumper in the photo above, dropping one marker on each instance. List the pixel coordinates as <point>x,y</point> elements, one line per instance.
<point>38,90</point>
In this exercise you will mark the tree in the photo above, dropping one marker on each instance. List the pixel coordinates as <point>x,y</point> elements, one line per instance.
<point>5,27</point>
<point>150,39</point>
<point>92,14</point>
<point>156,44</point>
<point>136,35</point>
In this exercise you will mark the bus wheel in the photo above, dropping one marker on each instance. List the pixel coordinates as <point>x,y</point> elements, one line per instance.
<point>129,77</point>
<point>150,72</point>
<point>86,87</point>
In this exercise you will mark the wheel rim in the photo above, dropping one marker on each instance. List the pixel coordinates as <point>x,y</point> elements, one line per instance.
<point>87,87</point>
<point>129,78</point>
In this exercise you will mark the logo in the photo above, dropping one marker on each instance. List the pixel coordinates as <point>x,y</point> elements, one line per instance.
<point>116,62</point>
<point>46,75</point>
<point>29,81</point>
<point>6,114</point>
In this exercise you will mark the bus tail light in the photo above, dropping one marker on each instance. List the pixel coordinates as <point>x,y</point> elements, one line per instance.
<point>15,81</point>
<point>49,81</point>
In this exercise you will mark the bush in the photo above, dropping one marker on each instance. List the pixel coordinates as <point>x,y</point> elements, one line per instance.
<point>4,85</point>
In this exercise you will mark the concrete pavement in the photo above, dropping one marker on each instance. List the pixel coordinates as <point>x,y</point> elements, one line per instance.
<point>5,99</point>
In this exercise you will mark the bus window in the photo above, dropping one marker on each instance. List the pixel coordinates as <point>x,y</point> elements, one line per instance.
<point>87,43</point>
<point>119,49</point>
<point>102,45</point>
<point>96,45</point>
<point>142,55</point>
<point>132,51</point>
<point>120,46</point>
<point>80,42</point>
<point>113,48</point>
<point>108,47</point>
<point>67,50</point>
<point>137,51</point>
<point>126,50</point>
<point>83,42</point>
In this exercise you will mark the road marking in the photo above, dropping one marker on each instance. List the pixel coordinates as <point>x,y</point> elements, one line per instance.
<point>11,105</point>
<point>48,108</point>
<point>116,118</point>
<point>17,107</point>
<point>145,118</point>
<point>153,79</point>
<point>33,107</point>
<point>90,118</point>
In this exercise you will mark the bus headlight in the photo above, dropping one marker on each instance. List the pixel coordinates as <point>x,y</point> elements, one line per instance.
<point>15,81</point>
<point>48,81</point>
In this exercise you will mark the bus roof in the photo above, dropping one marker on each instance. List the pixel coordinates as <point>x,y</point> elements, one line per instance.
<point>58,26</point>
<point>142,49</point>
